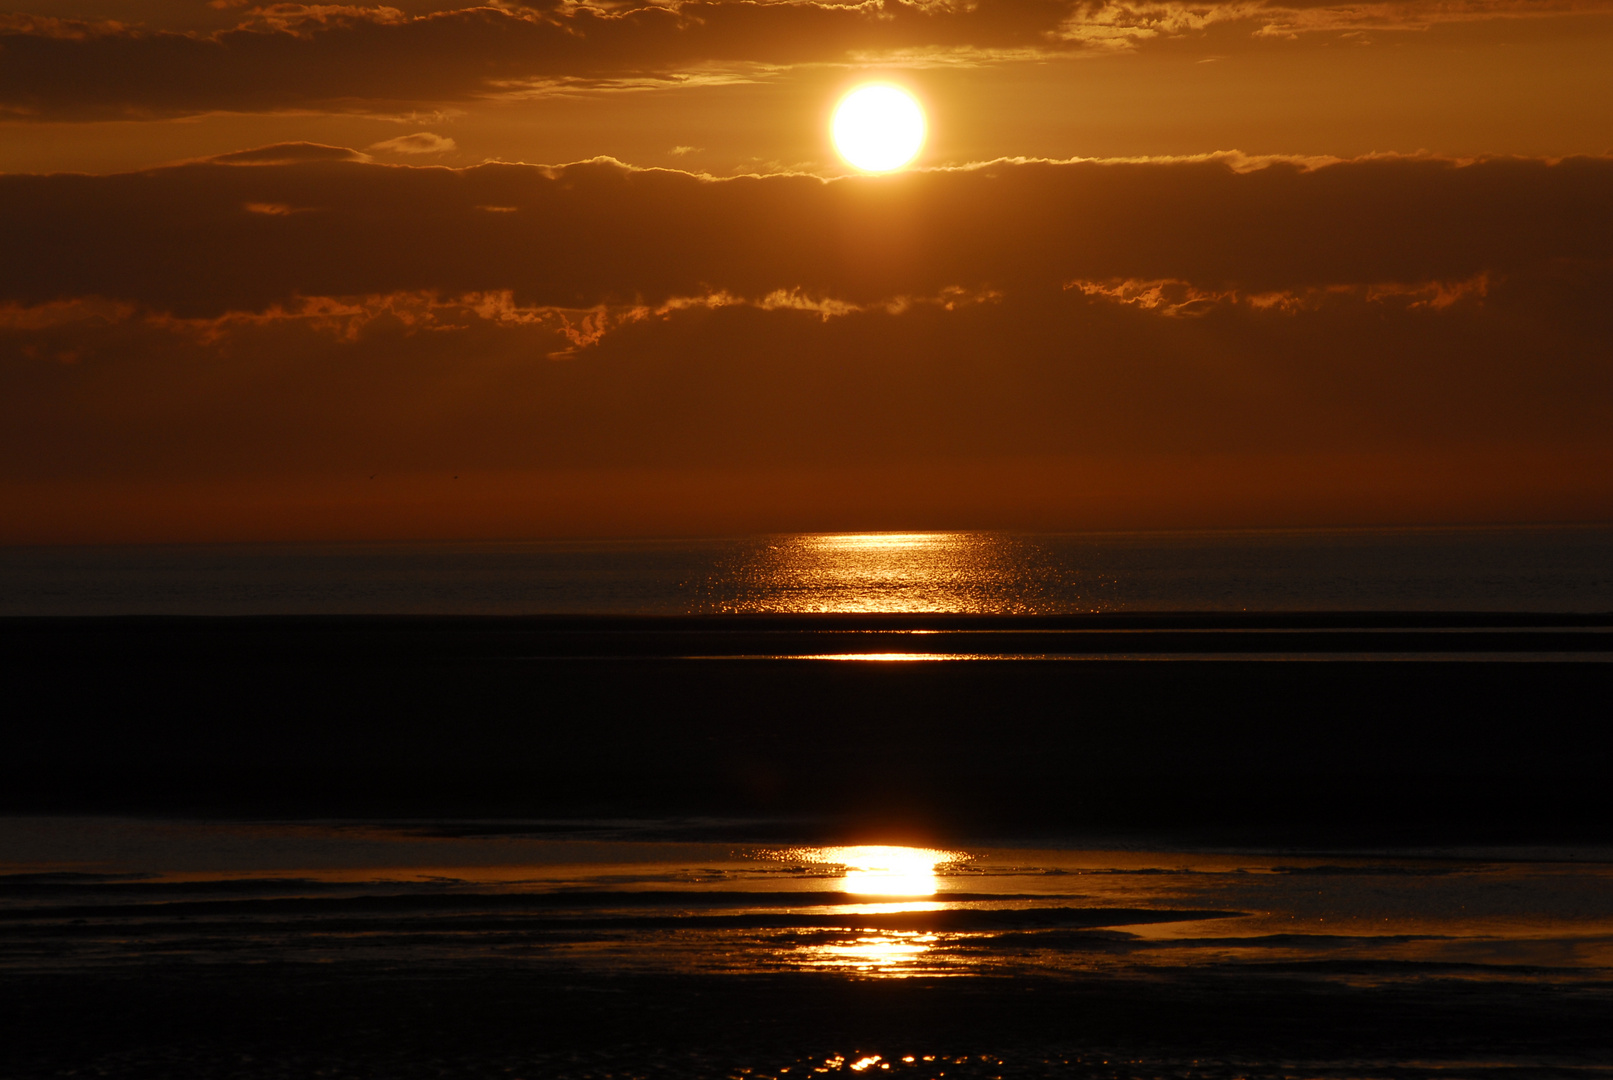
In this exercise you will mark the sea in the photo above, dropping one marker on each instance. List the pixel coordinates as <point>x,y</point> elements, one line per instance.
<point>688,931</point>
<point>1500,569</point>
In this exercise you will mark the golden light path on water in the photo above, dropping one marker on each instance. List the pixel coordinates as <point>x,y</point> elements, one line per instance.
<point>890,573</point>
<point>882,870</point>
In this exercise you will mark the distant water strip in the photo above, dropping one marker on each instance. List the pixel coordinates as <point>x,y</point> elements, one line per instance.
<point>1515,569</point>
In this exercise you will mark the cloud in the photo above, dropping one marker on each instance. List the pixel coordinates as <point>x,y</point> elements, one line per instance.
<point>334,57</point>
<point>1058,410</point>
<point>288,153</point>
<point>340,57</point>
<point>1028,344</point>
<point>1177,299</point>
<point>181,239</point>
<point>421,142</point>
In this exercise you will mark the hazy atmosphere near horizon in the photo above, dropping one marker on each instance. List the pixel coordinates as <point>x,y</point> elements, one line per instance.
<point>751,539</point>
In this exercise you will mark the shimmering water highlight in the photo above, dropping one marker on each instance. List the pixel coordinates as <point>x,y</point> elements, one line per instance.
<point>1497,569</point>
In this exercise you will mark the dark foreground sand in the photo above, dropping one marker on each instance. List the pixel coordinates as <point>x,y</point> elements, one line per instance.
<point>302,1021</point>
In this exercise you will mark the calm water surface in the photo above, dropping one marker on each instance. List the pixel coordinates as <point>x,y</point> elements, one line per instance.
<point>1528,569</point>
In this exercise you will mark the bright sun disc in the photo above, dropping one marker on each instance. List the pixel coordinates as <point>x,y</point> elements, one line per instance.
<point>878,127</point>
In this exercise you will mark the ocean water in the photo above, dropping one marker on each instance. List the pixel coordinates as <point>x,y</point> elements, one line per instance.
<point>1284,953</point>
<point>1476,570</point>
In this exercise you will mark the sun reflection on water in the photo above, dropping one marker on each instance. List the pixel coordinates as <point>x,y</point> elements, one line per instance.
<point>873,870</point>
<point>880,869</point>
<point>884,953</point>
<point>876,541</point>
<point>912,572</point>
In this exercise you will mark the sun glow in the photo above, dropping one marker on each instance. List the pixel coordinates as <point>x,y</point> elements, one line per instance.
<point>878,127</point>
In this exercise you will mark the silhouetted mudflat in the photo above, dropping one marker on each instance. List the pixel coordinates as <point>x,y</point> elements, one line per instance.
<point>1304,728</point>
<point>486,1020</point>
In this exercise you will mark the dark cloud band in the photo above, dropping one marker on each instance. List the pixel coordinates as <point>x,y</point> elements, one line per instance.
<point>264,228</point>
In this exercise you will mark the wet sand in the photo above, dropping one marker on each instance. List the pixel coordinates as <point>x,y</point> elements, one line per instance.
<point>308,1021</point>
<point>502,949</point>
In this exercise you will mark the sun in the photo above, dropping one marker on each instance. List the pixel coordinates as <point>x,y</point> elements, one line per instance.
<point>878,127</point>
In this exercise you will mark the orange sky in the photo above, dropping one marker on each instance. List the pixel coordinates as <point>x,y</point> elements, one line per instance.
<point>318,271</point>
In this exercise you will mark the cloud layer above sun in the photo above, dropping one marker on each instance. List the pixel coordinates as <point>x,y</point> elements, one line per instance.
<point>349,57</point>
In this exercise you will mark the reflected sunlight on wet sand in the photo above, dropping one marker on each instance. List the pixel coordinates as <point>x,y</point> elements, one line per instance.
<point>594,951</point>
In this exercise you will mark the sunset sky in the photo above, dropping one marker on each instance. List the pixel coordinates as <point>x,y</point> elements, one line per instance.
<point>585,269</point>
